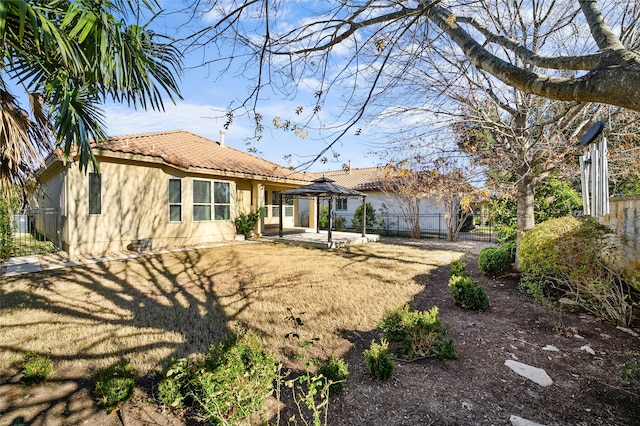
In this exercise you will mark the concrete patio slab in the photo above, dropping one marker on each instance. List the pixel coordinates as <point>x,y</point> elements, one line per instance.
<point>23,265</point>
<point>311,238</point>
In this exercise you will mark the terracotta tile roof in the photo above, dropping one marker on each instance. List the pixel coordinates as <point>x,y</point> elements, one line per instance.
<point>366,179</point>
<point>190,151</point>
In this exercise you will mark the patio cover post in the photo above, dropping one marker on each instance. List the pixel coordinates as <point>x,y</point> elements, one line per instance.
<point>330,218</point>
<point>280,216</point>
<point>364,217</point>
<point>317,215</point>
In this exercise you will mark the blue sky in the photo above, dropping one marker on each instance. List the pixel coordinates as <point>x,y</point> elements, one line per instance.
<point>202,112</point>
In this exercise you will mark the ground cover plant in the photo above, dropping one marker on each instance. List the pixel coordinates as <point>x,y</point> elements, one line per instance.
<point>36,368</point>
<point>114,384</point>
<point>171,306</point>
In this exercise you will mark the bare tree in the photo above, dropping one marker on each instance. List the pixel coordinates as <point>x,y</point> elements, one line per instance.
<point>339,41</point>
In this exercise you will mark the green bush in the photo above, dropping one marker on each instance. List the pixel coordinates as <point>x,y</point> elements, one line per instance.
<point>458,267</point>
<point>339,223</point>
<point>378,360</point>
<point>245,223</point>
<point>336,371</point>
<point>6,231</point>
<point>35,369</point>
<point>569,257</point>
<point>230,383</point>
<point>631,371</point>
<point>467,293</point>
<point>496,261</point>
<point>114,384</point>
<point>419,333</point>
<point>324,217</point>
<point>356,222</point>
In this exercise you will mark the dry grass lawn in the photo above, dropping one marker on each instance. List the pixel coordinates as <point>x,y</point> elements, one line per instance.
<point>175,305</point>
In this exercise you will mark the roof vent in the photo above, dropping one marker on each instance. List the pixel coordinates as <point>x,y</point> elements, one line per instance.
<point>221,143</point>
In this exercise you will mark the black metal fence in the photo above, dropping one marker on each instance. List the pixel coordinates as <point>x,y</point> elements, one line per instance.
<point>36,231</point>
<point>475,228</point>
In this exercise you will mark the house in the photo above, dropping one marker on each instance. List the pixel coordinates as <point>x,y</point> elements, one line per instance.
<point>391,209</point>
<point>168,189</point>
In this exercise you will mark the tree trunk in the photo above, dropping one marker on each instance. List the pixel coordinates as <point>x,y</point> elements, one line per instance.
<point>525,220</point>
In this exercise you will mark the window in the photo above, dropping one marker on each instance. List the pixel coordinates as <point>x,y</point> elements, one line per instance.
<point>288,206</point>
<point>341,203</point>
<point>202,200</point>
<point>175,200</point>
<point>222,200</point>
<point>275,204</point>
<point>95,194</point>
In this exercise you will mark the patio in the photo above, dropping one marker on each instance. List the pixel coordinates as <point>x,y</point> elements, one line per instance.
<point>310,238</point>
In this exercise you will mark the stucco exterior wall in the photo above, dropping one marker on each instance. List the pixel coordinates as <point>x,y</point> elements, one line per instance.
<point>624,218</point>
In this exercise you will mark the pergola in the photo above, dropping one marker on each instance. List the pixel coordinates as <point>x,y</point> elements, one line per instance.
<point>325,188</point>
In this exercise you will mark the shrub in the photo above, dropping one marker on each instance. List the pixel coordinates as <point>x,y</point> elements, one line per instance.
<point>230,383</point>
<point>6,230</point>
<point>378,360</point>
<point>458,267</point>
<point>496,261</point>
<point>467,293</point>
<point>356,222</point>
<point>114,384</point>
<point>568,257</point>
<point>336,371</point>
<point>324,217</point>
<point>246,222</point>
<point>631,371</point>
<point>339,223</point>
<point>419,333</point>
<point>35,369</point>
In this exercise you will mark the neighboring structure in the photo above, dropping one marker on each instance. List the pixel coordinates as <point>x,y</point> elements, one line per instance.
<point>168,189</point>
<point>371,182</point>
<point>624,218</point>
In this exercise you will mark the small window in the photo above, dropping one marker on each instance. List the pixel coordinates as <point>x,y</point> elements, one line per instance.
<point>95,194</point>
<point>201,200</point>
<point>288,205</point>
<point>341,204</point>
<point>222,200</point>
<point>175,200</point>
<point>275,204</point>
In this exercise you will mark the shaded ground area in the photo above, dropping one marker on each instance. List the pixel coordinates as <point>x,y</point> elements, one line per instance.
<point>349,289</point>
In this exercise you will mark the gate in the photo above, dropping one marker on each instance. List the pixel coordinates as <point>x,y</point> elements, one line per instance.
<point>37,231</point>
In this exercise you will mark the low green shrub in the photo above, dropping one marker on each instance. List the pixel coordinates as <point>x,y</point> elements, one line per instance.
<point>631,371</point>
<point>36,369</point>
<point>336,371</point>
<point>246,222</point>
<point>230,383</point>
<point>496,261</point>
<point>419,333</point>
<point>379,361</point>
<point>458,267</point>
<point>339,223</point>
<point>572,258</point>
<point>114,384</point>
<point>467,293</point>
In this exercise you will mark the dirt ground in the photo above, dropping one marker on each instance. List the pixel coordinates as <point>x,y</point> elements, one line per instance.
<point>475,389</point>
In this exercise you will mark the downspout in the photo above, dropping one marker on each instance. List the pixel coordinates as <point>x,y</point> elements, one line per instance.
<point>280,216</point>
<point>364,217</point>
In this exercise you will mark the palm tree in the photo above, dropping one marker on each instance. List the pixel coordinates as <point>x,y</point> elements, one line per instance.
<point>70,56</point>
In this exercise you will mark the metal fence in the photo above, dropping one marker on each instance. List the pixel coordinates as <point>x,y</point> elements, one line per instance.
<point>36,231</point>
<point>476,227</point>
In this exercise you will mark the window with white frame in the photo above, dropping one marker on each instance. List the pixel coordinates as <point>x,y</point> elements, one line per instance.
<point>175,200</point>
<point>206,202</point>
<point>341,203</point>
<point>288,206</point>
<point>275,204</point>
<point>95,193</point>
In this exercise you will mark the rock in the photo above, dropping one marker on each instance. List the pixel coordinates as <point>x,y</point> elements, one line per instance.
<point>519,421</point>
<point>536,375</point>
<point>551,348</point>
<point>588,349</point>
<point>567,301</point>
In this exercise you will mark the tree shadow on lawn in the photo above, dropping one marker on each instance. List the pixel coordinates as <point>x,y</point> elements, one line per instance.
<point>145,309</point>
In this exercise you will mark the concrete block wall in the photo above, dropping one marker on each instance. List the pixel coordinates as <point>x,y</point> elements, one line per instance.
<point>624,218</point>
